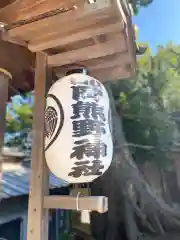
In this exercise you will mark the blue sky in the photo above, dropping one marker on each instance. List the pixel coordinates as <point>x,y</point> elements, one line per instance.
<point>159,23</point>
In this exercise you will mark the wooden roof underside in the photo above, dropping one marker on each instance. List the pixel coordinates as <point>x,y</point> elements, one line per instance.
<point>101,40</point>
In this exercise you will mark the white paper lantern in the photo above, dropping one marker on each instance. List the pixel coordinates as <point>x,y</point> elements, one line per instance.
<point>78,140</point>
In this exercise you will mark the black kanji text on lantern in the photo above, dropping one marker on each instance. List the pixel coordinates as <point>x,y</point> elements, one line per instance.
<point>88,123</point>
<point>84,147</point>
<point>87,110</point>
<point>90,89</point>
<point>87,170</point>
<point>84,127</point>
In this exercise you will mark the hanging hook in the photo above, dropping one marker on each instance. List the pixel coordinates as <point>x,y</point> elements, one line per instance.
<point>77,201</point>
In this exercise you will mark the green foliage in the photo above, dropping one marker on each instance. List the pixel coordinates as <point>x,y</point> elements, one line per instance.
<point>146,103</point>
<point>137,4</point>
<point>22,120</point>
<point>19,122</point>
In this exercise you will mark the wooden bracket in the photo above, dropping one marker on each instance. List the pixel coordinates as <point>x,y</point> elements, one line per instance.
<point>99,204</point>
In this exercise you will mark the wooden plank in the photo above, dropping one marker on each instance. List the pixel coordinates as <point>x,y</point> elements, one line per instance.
<point>120,61</point>
<point>118,44</point>
<point>57,39</point>
<point>37,216</point>
<point>102,60</point>
<point>129,32</point>
<point>52,24</point>
<point>74,26</point>
<point>112,73</point>
<point>131,46</point>
<point>5,37</point>
<point>31,8</point>
<point>3,3</point>
<point>9,12</point>
<point>97,66</point>
<point>99,204</point>
<point>4,81</point>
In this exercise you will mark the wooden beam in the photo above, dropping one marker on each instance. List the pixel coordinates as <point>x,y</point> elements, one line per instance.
<point>4,82</point>
<point>112,73</point>
<point>118,44</point>
<point>31,8</point>
<point>99,204</point>
<point>9,13</point>
<point>72,25</point>
<point>120,61</point>
<point>129,32</point>
<point>56,40</point>
<point>38,217</point>
<point>104,68</point>
<point>74,18</point>
<point>5,37</point>
<point>117,58</point>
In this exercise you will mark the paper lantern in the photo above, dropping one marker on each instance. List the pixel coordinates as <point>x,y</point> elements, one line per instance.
<point>78,139</point>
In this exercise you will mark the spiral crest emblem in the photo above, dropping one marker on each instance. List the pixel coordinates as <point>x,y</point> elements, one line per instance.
<point>54,120</point>
<point>50,121</point>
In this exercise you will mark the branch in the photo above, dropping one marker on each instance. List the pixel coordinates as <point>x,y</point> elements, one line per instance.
<point>124,169</point>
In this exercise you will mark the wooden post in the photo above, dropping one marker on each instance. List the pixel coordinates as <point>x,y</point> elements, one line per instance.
<point>38,216</point>
<point>4,82</point>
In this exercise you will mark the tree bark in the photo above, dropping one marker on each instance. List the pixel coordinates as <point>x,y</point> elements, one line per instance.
<point>124,181</point>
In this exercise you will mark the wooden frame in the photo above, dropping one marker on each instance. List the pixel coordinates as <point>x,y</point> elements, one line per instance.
<point>93,32</point>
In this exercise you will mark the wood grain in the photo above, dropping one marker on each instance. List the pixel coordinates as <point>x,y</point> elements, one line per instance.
<point>61,23</point>
<point>57,39</point>
<point>38,217</point>
<point>91,52</point>
<point>31,8</point>
<point>87,35</point>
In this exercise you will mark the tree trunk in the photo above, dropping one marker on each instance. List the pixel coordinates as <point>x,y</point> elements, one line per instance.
<point>124,181</point>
